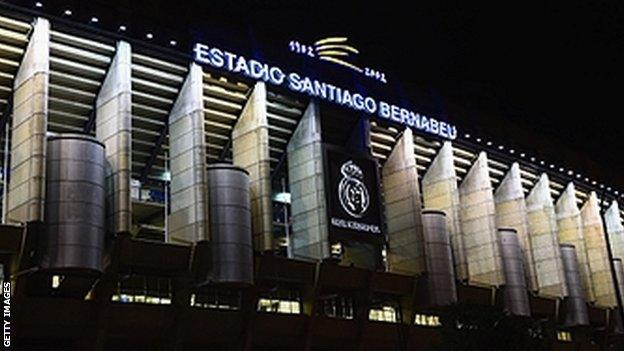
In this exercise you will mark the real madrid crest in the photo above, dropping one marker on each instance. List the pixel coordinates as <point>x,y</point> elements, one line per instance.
<point>352,192</point>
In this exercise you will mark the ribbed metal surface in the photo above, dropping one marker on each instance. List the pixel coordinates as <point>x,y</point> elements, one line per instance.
<point>230,225</point>
<point>74,207</point>
<point>619,276</point>
<point>575,301</point>
<point>439,261</point>
<point>516,296</point>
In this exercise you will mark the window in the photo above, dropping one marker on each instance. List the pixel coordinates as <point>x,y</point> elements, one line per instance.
<point>427,320</point>
<point>338,307</point>
<point>385,310</point>
<point>564,336</point>
<point>383,314</point>
<point>280,301</point>
<point>220,299</point>
<point>143,289</point>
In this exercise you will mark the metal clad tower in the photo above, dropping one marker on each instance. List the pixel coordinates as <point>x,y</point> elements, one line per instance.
<point>230,225</point>
<point>75,200</point>
<point>439,260</point>
<point>516,295</point>
<point>575,301</point>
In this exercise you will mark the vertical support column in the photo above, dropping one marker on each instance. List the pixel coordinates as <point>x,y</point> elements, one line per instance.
<point>403,209</point>
<point>188,222</point>
<point>307,188</point>
<point>511,212</point>
<point>439,188</point>
<point>615,230</point>
<point>544,241</point>
<point>113,127</point>
<point>597,254</point>
<point>478,223</point>
<point>571,232</point>
<point>26,194</point>
<point>250,150</point>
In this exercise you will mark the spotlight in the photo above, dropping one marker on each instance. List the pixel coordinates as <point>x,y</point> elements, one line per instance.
<point>38,4</point>
<point>94,20</point>
<point>522,154</point>
<point>478,140</point>
<point>512,151</point>
<point>173,42</point>
<point>489,143</point>
<point>149,35</point>
<point>501,147</point>
<point>122,28</point>
<point>67,13</point>
<point>467,136</point>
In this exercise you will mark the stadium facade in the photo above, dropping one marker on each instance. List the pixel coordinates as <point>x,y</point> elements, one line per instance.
<point>211,200</point>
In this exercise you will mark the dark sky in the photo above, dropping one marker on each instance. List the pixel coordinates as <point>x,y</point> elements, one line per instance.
<point>545,77</point>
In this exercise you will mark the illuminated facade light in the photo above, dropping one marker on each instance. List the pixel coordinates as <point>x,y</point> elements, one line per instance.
<point>512,151</point>
<point>467,136</point>
<point>122,28</point>
<point>149,35</point>
<point>542,163</point>
<point>551,166</point>
<point>94,20</point>
<point>561,169</point>
<point>501,147</point>
<point>478,140</point>
<point>532,159</point>
<point>594,182</point>
<point>67,13</point>
<point>489,143</point>
<point>56,281</point>
<point>38,4</point>
<point>522,154</point>
<point>173,43</point>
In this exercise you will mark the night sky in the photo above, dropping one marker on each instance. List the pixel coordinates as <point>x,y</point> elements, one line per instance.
<point>545,78</point>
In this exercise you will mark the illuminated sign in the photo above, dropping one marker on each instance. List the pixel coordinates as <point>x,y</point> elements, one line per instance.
<point>222,59</point>
<point>352,194</point>
<point>336,50</point>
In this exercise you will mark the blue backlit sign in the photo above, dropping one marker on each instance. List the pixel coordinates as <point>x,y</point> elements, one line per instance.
<point>222,59</point>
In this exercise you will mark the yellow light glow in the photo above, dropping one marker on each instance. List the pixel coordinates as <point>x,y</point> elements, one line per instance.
<point>337,47</point>
<point>341,62</point>
<point>332,53</point>
<point>331,40</point>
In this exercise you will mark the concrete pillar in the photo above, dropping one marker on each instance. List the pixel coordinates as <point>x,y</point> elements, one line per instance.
<point>403,209</point>
<point>478,223</point>
<point>250,150</point>
<point>597,253</point>
<point>310,236</point>
<point>613,220</point>
<point>26,194</point>
<point>571,232</point>
<point>440,192</point>
<point>542,223</point>
<point>188,222</point>
<point>511,212</point>
<point>113,127</point>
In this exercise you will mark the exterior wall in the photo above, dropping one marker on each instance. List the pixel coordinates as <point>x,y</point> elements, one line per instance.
<point>571,232</point>
<point>544,241</point>
<point>113,127</point>
<point>511,212</point>
<point>596,245</point>
<point>310,237</point>
<point>403,209</point>
<point>615,230</point>
<point>250,150</point>
<point>26,194</point>
<point>439,188</point>
<point>188,222</point>
<point>478,223</point>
